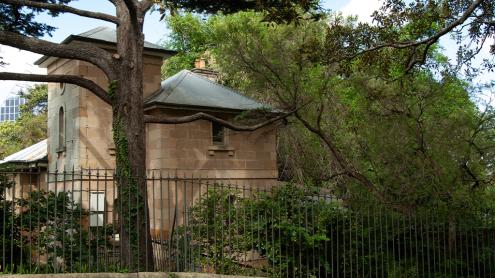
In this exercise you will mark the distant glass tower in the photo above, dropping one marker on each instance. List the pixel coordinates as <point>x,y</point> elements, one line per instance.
<point>10,111</point>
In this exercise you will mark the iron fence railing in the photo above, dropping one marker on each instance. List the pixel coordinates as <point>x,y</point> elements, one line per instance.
<point>70,222</point>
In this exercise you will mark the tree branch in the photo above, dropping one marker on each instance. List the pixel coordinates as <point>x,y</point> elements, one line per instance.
<point>132,5</point>
<point>331,177</point>
<point>476,181</point>
<point>203,116</point>
<point>63,8</point>
<point>145,5</point>
<point>77,50</point>
<point>349,169</point>
<point>432,39</point>
<point>70,79</point>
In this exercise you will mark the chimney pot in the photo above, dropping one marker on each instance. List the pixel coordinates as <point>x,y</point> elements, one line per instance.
<point>200,63</point>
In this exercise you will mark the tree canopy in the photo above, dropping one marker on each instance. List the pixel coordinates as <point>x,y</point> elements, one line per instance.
<point>31,126</point>
<point>415,141</point>
<point>377,128</point>
<point>123,70</point>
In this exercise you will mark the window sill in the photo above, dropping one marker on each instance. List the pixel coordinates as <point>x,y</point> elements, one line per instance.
<point>220,148</point>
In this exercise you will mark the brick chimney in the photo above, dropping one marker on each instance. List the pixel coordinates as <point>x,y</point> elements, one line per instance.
<point>200,63</point>
<point>200,69</point>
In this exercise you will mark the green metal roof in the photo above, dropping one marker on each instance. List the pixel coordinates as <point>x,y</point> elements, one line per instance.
<point>106,35</point>
<point>189,89</point>
<point>35,153</point>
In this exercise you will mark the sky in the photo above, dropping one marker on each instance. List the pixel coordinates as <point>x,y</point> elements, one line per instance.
<point>154,30</point>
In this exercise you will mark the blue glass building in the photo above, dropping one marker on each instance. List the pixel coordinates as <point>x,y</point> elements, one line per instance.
<point>10,110</point>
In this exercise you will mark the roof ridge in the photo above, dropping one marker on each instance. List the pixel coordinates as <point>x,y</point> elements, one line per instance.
<point>182,74</point>
<point>106,35</point>
<point>187,88</point>
<point>223,86</point>
<point>162,90</point>
<point>180,77</point>
<point>93,31</point>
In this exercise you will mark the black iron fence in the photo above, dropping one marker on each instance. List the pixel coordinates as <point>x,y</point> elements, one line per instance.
<point>70,222</point>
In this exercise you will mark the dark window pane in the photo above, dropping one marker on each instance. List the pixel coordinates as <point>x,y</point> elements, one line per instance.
<point>61,128</point>
<point>217,132</point>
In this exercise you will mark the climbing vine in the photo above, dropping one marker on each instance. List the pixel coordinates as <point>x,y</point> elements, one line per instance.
<point>112,88</point>
<point>130,197</point>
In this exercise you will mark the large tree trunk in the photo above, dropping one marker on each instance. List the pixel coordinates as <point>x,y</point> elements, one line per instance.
<point>129,137</point>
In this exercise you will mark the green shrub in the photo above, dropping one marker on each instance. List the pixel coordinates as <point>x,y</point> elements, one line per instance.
<point>297,232</point>
<point>9,232</point>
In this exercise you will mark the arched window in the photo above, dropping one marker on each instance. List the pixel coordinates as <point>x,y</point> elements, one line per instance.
<point>61,128</point>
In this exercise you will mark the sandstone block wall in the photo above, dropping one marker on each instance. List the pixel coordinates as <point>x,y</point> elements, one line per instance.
<point>88,125</point>
<point>187,149</point>
<point>64,96</point>
<point>245,160</point>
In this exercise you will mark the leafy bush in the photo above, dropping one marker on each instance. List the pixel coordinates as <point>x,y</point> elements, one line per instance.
<point>294,231</point>
<point>47,233</point>
<point>52,229</point>
<point>9,233</point>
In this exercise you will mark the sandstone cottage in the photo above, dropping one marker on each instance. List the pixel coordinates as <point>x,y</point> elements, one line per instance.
<point>80,137</point>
